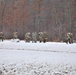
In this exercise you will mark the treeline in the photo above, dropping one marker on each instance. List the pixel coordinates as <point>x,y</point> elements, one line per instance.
<point>56,17</point>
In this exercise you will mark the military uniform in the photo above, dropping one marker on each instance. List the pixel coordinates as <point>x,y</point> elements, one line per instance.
<point>15,35</point>
<point>34,37</point>
<point>69,37</point>
<point>28,37</point>
<point>1,36</point>
<point>40,36</point>
<point>45,37</point>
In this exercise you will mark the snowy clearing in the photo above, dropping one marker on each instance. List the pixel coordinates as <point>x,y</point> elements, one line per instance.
<point>51,58</point>
<point>48,46</point>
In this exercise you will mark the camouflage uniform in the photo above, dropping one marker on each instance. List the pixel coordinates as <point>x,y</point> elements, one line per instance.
<point>45,37</point>
<point>28,37</point>
<point>40,36</point>
<point>15,35</point>
<point>1,36</point>
<point>34,37</point>
<point>69,38</point>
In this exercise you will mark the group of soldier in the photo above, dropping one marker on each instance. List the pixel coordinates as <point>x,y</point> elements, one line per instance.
<point>40,36</point>
<point>34,36</point>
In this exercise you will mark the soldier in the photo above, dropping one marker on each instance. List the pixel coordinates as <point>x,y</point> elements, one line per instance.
<point>45,37</point>
<point>1,36</point>
<point>34,37</point>
<point>40,36</point>
<point>15,35</point>
<point>69,38</point>
<point>28,37</point>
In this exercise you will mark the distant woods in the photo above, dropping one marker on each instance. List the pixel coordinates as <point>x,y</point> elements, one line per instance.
<point>56,17</point>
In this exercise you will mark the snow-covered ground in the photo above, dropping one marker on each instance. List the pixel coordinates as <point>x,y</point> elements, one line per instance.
<point>50,58</point>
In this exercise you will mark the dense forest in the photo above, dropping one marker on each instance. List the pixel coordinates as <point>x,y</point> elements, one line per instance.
<point>56,17</point>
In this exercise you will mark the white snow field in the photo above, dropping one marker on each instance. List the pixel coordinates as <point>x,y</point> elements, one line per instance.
<point>50,58</point>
